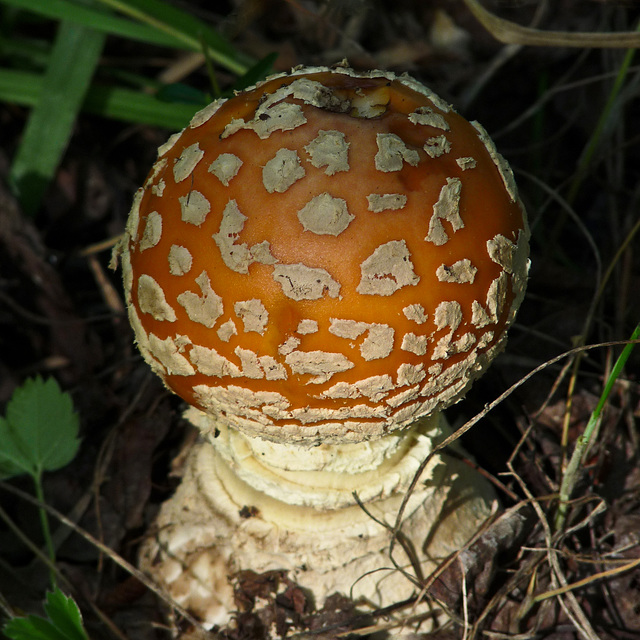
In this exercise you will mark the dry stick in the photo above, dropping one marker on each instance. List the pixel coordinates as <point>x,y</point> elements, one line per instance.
<point>512,33</point>
<point>136,573</point>
<point>587,581</point>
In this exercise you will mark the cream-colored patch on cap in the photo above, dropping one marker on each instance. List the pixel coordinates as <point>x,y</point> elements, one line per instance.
<point>387,269</point>
<point>152,231</point>
<point>307,326</point>
<point>378,343</point>
<point>300,282</point>
<point>325,215</point>
<point>415,344</point>
<point>279,117</point>
<point>151,300</point>
<point>376,388</point>
<point>502,251</point>
<point>402,398</point>
<point>410,374</point>
<point>415,312</point>
<point>310,92</point>
<point>289,345</point>
<point>320,364</point>
<point>158,188</point>
<point>386,201</point>
<point>253,315</point>
<point>133,221</point>
<point>180,260</point>
<point>238,256</point>
<point>279,173</point>
<point>503,167</point>
<point>273,370</point>
<point>237,401</point>
<point>465,342</point>
<point>249,363</point>
<point>446,208</point>
<point>460,272</point>
<point>210,363</point>
<point>393,152</point>
<point>497,295</point>
<point>225,167</point>
<point>342,390</point>
<point>204,115</point>
<point>348,329</point>
<point>194,208</point>
<point>167,352</point>
<point>448,314</point>
<point>157,168</point>
<point>169,144</point>
<point>331,150</point>
<point>479,316</point>
<point>226,330</point>
<point>436,146</point>
<point>206,308</point>
<point>187,162</point>
<point>427,116</point>
<point>466,163</point>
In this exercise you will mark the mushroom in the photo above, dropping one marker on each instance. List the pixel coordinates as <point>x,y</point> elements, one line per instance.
<point>319,266</point>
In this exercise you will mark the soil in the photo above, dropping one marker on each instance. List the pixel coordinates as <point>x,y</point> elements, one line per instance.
<point>62,315</point>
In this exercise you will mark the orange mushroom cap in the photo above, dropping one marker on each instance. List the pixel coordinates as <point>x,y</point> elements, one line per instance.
<point>325,257</point>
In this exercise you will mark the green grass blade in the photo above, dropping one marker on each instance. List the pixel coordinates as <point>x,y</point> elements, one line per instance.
<point>74,56</point>
<point>584,441</point>
<point>132,106</point>
<point>24,88</point>
<point>97,19</point>
<point>186,28</point>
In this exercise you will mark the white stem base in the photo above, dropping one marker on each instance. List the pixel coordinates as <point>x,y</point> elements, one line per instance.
<point>246,504</point>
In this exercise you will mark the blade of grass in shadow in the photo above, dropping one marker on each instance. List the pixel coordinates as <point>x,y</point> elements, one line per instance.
<point>585,440</point>
<point>74,56</point>
<point>97,19</point>
<point>186,28</point>
<point>24,88</point>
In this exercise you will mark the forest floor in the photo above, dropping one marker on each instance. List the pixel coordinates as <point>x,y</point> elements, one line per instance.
<point>572,136</point>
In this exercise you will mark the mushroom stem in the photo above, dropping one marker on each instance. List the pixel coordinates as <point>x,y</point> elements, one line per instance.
<point>247,503</point>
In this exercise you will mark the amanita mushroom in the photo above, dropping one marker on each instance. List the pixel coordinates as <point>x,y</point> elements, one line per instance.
<point>319,266</point>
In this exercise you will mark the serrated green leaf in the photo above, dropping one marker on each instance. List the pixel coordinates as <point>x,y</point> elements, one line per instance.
<point>64,621</point>
<point>32,628</point>
<point>13,460</point>
<point>42,426</point>
<point>65,615</point>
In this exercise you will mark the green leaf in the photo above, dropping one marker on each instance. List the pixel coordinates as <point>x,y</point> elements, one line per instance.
<point>185,28</point>
<point>98,19</point>
<point>40,432</point>
<point>64,622</point>
<point>109,102</point>
<point>14,461</point>
<point>65,615</point>
<point>74,57</point>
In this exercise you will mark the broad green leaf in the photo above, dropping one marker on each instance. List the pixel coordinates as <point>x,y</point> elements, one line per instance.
<point>65,615</point>
<point>13,460</point>
<point>42,426</point>
<point>64,622</point>
<point>32,628</point>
